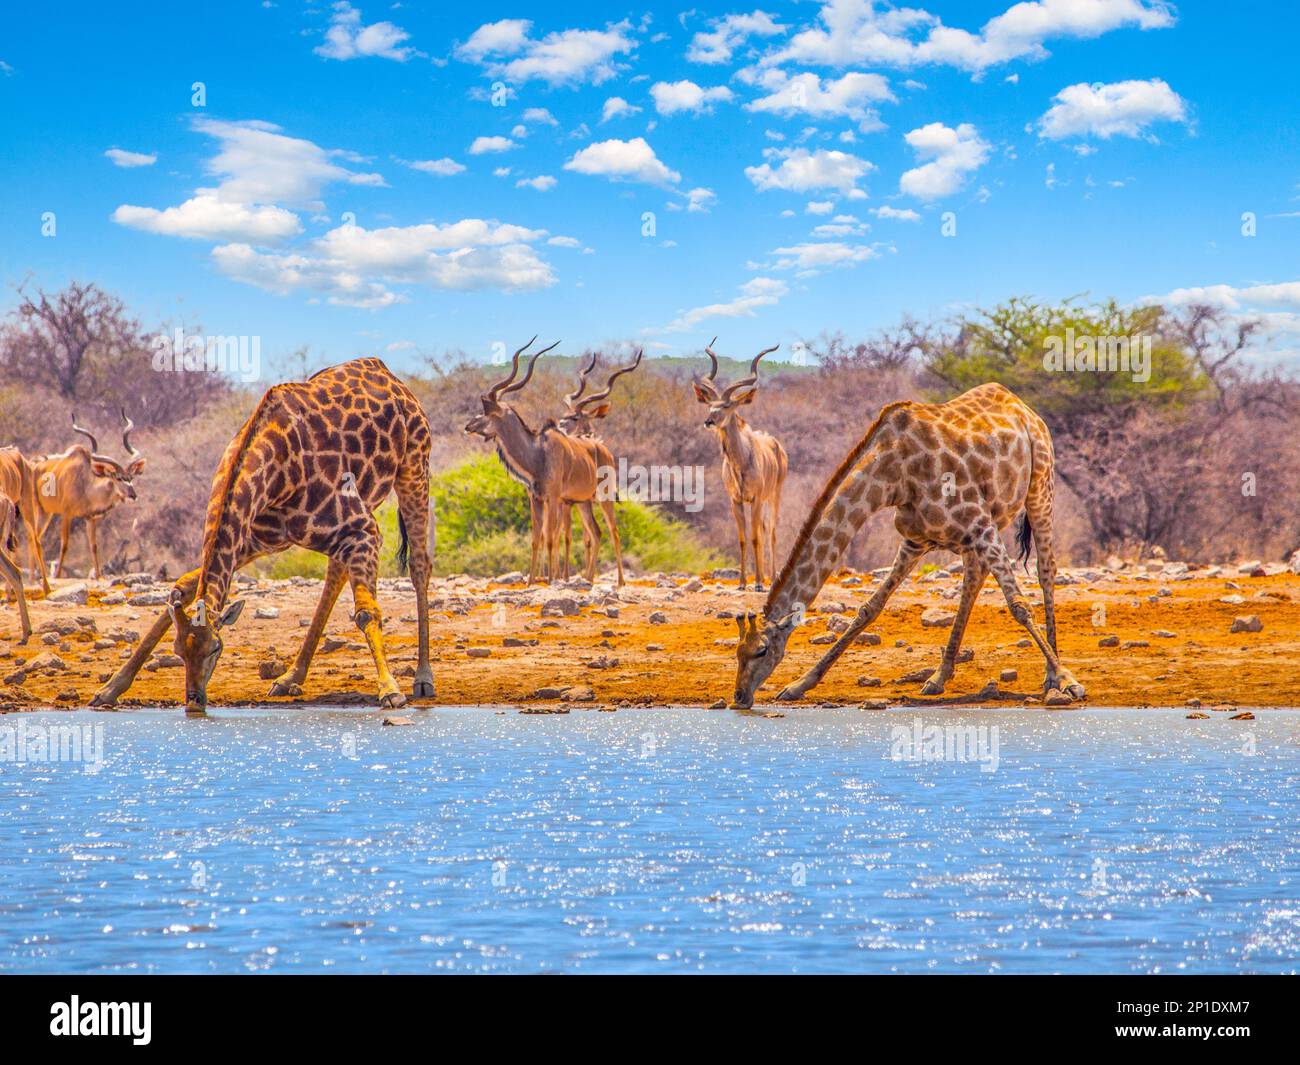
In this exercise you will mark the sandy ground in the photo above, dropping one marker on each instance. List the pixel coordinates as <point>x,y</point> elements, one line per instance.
<point>1134,634</point>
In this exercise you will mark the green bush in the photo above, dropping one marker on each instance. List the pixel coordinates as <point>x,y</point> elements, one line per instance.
<point>485,528</point>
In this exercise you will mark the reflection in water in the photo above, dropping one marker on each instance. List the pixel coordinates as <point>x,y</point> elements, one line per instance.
<point>656,840</point>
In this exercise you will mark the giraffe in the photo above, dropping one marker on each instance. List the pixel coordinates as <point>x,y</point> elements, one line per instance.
<point>956,473</point>
<point>309,467</point>
<point>555,468</point>
<point>754,463</point>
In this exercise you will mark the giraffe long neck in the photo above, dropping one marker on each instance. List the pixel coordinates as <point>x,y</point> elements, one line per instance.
<point>856,491</point>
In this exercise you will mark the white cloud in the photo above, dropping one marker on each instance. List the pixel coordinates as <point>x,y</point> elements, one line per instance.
<point>754,294</point>
<point>347,38</point>
<point>1123,108</point>
<point>953,154</point>
<point>842,225</point>
<point>259,164</point>
<point>354,266</point>
<point>701,200</point>
<point>541,116</point>
<point>820,207</point>
<point>542,183</point>
<point>803,171</point>
<point>569,57</point>
<point>620,160</point>
<point>905,215</point>
<point>674,96</point>
<point>207,217</point>
<point>717,44</point>
<point>617,107</point>
<point>813,257</point>
<point>130,159</point>
<point>444,167</point>
<point>807,94</point>
<point>1231,297</point>
<point>487,145</point>
<point>859,33</point>
<point>565,242</point>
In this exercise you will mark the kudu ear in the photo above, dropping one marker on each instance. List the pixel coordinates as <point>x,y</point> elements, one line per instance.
<point>598,412</point>
<point>231,614</point>
<point>703,393</point>
<point>101,469</point>
<point>748,397</point>
<point>135,468</point>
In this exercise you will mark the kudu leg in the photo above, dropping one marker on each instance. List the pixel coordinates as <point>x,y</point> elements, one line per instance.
<point>607,508</point>
<point>92,536</point>
<point>909,553</point>
<point>738,512</point>
<point>590,537</point>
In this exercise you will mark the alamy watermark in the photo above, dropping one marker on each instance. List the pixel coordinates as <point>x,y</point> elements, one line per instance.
<point>946,743</point>
<point>27,742</point>
<point>1083,353</point>
<point>195,353</point>
<point>652,484</point>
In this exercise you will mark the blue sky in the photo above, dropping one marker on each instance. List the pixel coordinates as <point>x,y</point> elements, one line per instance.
<point>352,184</point>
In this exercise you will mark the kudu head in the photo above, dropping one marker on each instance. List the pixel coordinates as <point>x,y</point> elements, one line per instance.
<point>724,404</point>
<point>580,415</point>
<point>759,651</point>
<point>199,645</point>
<point>488,423</point>
<point>119,477</point>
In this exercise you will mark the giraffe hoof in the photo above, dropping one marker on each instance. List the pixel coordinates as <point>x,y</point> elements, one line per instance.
<point>932,686</point>
<point>422,689</point>
<point>790,694</point>
<point>103,698</point>
<point>392,700</point>
<point>1075,691</point>
<point>284,687</point>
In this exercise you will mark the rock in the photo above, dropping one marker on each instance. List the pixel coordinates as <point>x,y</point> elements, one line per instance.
<point>1057,698</point>
<point>1164,634</point>
<point>272,668</point>
<point>514,577</point>
<point>917,676</point>
<point>989,691</point>
<point>47,662</point>
<point>1196,715</point>
<point>658,618</point>
<point>1026,642</point>
<point>479,652</point>
<point>721,704</point>
<point>549,693</point>
<point>581,694</point>
<point>611,612</point>
<point>1194,703</point>
<point>693,585</point>
<point>824,638</point>
<point>266,613</point>
<point>937,618</point>
<point>516,641</point>
<point>543,709</point>
<point>1232,600</point>
<point>1248,568</point>
<point>393,720</point>
<point>836,623</point>
<point>332,643</point>
<point>72,595</point>
<point>868,682</point>
<point>1008,675</point>
<point>870,639</point>
<point>1108,641</point>
<point>1245,715</point>
<point>654,647</point>
<point>113,599</point>
<point>876,704</point>
<point>150,599</point>
<point>603,663</point>
<point>1246,623</point>
<point>68,695</point>
<point>1129,645</point>
<point>965,655</point>
<point>725,574</point>
<point>559,606</point>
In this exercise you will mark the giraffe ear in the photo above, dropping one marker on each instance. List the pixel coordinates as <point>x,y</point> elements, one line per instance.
<point>231,614</point>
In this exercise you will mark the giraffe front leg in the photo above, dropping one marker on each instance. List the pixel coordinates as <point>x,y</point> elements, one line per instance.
<point>369,620</point>
<point>909,553</point>
<point>996,558</point>
<point>121,680</point>
<point>973,574</point>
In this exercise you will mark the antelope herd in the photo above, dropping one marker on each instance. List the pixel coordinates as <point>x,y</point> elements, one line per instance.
<point>317,458</point>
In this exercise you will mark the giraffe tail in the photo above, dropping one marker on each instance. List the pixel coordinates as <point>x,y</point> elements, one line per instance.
<point>404,547</point>
<point>1024,539</point>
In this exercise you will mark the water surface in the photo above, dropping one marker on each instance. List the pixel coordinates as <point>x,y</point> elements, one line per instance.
<point>654,840</point>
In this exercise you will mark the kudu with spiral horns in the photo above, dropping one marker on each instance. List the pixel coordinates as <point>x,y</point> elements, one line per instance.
<point>85,483</point>
<point>754,464</point>
<point>555,468</point>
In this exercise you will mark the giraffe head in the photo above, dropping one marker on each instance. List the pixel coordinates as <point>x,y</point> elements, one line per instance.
<point>581,415</point>
<point>487,425</point>
<point>198,643</point>
<point>724,404</point>
<point>759,651</point>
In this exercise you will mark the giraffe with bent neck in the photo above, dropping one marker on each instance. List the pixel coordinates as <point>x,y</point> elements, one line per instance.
<point>308,468</point>
<point>956,473</point>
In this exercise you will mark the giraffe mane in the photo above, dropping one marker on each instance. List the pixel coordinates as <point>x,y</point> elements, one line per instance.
<point>823,501</point>
<point>227,486</point>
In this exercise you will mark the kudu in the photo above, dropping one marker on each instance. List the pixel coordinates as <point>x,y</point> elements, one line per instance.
<point>8,568</point>
<point>556,469</point>
<point>18,484</point>
<point>83,483</point>
<point>754,463</point>
<point>579,419</point>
